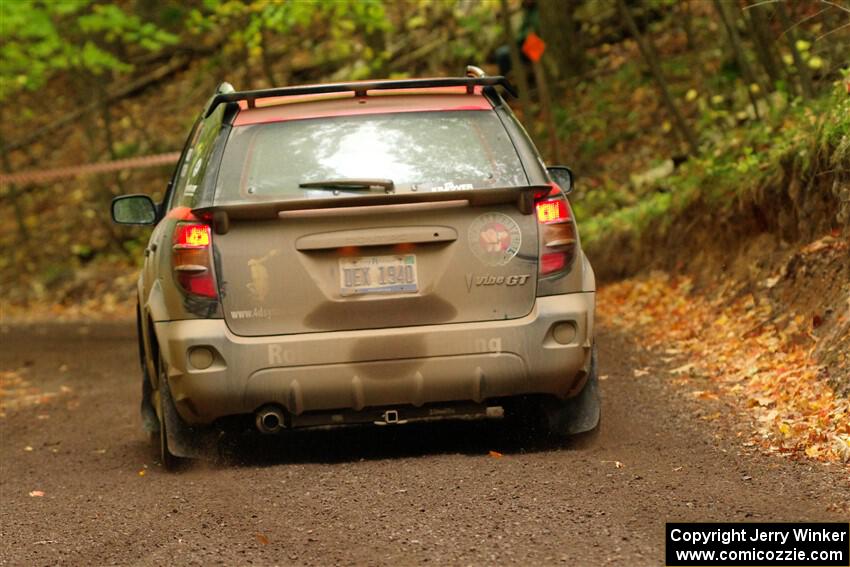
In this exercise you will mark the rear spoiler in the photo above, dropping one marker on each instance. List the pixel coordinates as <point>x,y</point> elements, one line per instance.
<point>222,215</point>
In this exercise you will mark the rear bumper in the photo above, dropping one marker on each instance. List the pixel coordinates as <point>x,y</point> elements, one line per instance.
<point>353,370</point>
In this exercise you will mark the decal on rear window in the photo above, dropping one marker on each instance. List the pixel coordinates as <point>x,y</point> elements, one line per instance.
<point>449,186</point>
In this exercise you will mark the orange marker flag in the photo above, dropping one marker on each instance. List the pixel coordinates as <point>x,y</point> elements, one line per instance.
<point>533,47</point>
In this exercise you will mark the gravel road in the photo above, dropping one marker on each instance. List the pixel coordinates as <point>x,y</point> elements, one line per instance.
<point>399,495</point>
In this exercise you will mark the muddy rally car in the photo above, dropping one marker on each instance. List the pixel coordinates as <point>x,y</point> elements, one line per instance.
<point>361,253</point>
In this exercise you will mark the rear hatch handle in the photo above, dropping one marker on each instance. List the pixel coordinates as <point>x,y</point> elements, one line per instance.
<point>379,236</point>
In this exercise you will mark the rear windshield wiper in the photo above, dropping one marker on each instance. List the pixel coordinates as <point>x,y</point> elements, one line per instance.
<point>385,185</point>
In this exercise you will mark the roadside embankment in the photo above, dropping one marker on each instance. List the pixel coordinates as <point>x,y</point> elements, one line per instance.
<point>752,284</point>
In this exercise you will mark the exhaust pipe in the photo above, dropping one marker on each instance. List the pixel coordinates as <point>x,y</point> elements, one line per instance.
<point>270,420</point>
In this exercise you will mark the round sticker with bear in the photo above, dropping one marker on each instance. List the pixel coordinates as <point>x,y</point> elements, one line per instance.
<point>495,238</point>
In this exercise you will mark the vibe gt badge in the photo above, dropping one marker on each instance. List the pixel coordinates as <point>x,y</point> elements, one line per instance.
<point>489,280</point>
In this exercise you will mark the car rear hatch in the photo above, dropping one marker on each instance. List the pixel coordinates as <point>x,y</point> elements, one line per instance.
<point>443,232</point>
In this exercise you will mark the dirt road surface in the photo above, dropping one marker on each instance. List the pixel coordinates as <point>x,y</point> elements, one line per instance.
<point>380,496</point>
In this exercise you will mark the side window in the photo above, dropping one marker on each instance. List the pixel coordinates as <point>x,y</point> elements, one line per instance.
<point>182,166</point>
<point>195,162</point>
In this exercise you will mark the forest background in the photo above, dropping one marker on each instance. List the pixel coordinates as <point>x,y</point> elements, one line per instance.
<point>710,141</point>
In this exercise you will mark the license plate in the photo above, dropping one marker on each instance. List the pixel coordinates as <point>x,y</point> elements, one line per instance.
<point>378,274</point>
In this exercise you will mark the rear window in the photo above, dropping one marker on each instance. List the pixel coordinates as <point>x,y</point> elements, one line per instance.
<point>430,150</point>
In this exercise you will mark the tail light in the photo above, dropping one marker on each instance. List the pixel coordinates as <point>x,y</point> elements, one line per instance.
<point>192,258</point>
<point>558,237</point>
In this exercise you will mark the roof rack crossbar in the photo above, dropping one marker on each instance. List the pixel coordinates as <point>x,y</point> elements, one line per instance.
<point>359,89</point>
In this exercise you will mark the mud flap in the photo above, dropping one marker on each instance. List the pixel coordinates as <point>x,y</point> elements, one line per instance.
<point>184,440</point>
<point>580,413</point>
<point>150,423</point>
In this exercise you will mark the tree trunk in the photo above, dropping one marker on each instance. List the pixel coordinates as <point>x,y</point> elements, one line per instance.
<point>243,61</point>
<point>266,60</point>
<point>546,115</point>
<point>109,139</point>
<point>802,69</point>
<point>572,31</point>
<point>684,11</point>
<point>516,60</point>
<point>740,55</point>
<point>558,29</point>
<point>102,192</point>
<point>14,196</point>
<point>684,130</point>
<point>764,43</point>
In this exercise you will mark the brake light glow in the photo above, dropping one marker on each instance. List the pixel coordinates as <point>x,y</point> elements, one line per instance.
<point>557,231</point>
<point>192,259</point>
<point>192,235</point>
<point>552,211</point>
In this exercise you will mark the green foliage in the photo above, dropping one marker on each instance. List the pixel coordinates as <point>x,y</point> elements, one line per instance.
<point>837,131</point>
<point>611,121</point>
<point>636,218</point>
<point>743,160</point>
<point>135,248</point>
<point>54,274</point>
<point>335,28</point>
<point>41,38</point>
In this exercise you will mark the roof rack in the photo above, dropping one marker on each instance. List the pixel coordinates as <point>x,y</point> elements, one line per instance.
<point>359,89</point>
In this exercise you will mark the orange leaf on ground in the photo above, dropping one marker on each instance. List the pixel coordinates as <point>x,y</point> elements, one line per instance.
<point>756,360</point>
